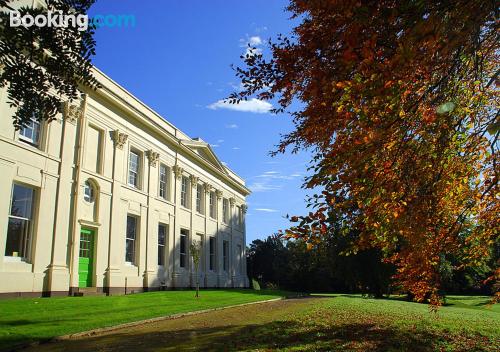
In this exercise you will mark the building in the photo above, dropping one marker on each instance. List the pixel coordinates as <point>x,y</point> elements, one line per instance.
<point>110,196</point>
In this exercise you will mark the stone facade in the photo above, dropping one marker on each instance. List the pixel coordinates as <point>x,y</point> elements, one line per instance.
<point>110,195</point>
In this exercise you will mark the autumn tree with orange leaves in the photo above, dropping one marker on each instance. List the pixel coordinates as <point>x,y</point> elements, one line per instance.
<point>399,103</point>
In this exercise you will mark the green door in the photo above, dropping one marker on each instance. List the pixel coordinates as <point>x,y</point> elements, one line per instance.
<point>86,258</point>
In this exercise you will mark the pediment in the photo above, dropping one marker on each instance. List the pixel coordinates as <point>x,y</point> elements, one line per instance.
<point>204,150</point>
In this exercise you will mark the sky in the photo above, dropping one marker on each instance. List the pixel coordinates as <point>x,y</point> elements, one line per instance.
<point>176,59</point>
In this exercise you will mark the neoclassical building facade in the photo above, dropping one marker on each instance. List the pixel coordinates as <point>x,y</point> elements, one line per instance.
<point>111,197</point>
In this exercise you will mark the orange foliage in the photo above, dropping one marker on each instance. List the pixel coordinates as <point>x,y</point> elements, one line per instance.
<point>401,107</point>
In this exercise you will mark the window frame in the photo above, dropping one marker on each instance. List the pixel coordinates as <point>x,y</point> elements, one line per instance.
<point>225,255</point>
<point>239,250</point>
<point>162,246</point>
<point>213,205</point>
<point>185,191</point>
<point>212,253</point>
<point>100,147</point>
<point>183,252</point>
<point>138,172</point>
<point>240,217</point>
<point>127,239</point>
<point>199,199</point>
<point>225,211</point>
<point>89,198</point>
<point>29,140</point>
<point>165,182</point>
<point>29,230</point>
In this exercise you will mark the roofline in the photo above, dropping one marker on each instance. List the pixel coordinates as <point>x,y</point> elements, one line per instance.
<point>134,107</point>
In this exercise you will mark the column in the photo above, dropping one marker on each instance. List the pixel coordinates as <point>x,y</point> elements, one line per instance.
<point>58,271</point>
<point>151,240</point>
<point>116,251</point>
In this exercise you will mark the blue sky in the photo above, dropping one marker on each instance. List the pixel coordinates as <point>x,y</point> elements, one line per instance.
<point>177,60</point>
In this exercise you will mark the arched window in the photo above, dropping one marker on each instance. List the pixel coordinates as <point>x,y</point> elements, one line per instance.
<point>88,192</point>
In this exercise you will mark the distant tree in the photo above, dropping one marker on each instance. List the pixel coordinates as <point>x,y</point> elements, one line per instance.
<point>291,265</point>
<point>267,260</point>
<point>195,249</point>
<point>398,100</point>
<point>44,66</point>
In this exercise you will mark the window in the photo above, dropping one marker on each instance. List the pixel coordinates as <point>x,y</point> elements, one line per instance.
<point>225,255</point>
<point>31,132</point>
<point>239,253</point>
<point>213,205</point>
<point>225,211</point>
<point>20,228</point>
<point>130,240</point>
<point>184,191</point>
<point>163,182</point>
<point>93,146</point>
<point>240,217</point>
<point>134,165</point>
<point>162,235</point>
<point>211,244</point>
<point>88,192</point>
<point>183,248</point>
<point>199,199</point>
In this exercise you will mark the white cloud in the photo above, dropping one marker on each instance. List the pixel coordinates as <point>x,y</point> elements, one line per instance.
<point>263,187</point>
<point>255,40</point>
<point>253,105</point>
<point>236,148</point>
<point>214,145</point>
<point>266,210</point>
<point>274,176</point>
<point>220,141</point>
<point>232,125</point>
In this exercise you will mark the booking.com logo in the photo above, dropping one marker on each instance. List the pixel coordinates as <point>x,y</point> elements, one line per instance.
<point>82,22</point>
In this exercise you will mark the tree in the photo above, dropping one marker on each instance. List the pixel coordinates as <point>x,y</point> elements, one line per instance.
<point>195,250</point>
<point>44,66</point>
<point>399,103</point>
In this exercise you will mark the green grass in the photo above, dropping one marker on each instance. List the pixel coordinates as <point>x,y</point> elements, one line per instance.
<point>335,322</point>
<point>351,322</point>
<point>26,320</point>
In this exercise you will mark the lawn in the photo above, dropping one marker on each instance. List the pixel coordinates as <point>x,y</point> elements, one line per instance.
<point>336,322</point>
<point>26,320</point>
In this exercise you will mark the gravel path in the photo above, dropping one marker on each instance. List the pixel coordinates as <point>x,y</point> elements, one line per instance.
<point>201,332</point>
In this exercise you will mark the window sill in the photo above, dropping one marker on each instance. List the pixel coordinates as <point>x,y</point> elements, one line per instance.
<point>15,260</point>
<point>134,189</point>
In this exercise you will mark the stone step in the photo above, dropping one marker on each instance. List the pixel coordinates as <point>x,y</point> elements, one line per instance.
<point>88,291</point>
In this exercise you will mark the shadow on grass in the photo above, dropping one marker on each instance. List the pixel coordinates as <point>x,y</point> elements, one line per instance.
<point>274,335</point>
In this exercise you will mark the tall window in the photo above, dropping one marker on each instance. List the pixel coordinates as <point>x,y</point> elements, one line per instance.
<point>134,165</point>
<point>130,240</point>
<point>240,217</point>
<point>225,210</point>
<point>184,191</point>
<point>211,244</point>
<point>213,205</point>
<point>31,132</point>
<point>239,253</point>
<point>93,149</point>
<point>225,255</point>
<point>162,235</point>
<point>199,199</point>
<point>20,228</point>
<point>163,182</point>
<point>183,248</point>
